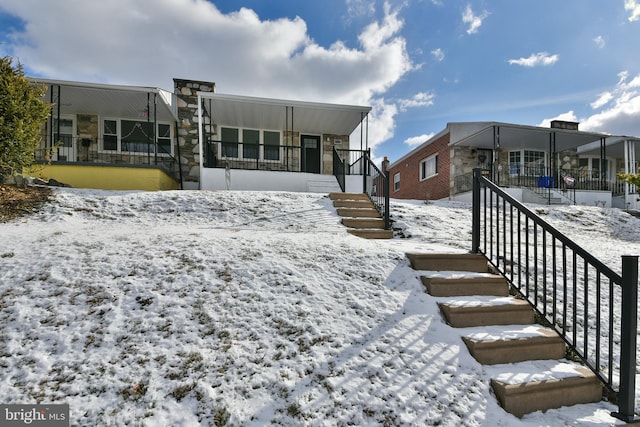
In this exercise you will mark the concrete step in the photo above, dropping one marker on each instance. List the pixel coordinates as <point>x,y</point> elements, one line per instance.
<point>358,213</point>
<point>326,185</point>
<point>348,196</point>
<point>449,262</point>
<point>488,284</point>
<point>482,311</point>
<point>491,346</point>
<point>353,204</point>
<point>368,233</point>
<point>376,223</point>
<point>534,389</point>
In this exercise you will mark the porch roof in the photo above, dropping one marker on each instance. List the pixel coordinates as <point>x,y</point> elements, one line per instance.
<point>279,114</point>
<point>512,136</point>
<point>109,100</point>
<point>614,147</point>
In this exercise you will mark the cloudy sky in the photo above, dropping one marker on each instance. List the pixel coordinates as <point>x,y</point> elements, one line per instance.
<point>418,63</point>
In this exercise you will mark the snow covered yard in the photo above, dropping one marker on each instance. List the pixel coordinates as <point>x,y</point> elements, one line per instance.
<point>248,309</point>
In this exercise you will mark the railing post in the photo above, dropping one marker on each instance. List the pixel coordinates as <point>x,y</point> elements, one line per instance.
<point>387,209</point>
<point>364,168</point>
<point>628,334</point>
<point>475,223</point>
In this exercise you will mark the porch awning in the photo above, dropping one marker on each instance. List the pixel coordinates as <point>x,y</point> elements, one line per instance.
<point>511,136</point>
<point>114,101</point>
<point>278,114</point>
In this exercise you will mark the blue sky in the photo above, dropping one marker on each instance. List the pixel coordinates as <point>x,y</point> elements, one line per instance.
<point>418,63</point>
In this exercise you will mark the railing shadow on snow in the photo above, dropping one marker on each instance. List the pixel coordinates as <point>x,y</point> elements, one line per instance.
<point>593,308</point>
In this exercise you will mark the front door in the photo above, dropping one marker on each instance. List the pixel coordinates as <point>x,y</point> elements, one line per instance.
<point>63,132</point>
<point>310,154</point>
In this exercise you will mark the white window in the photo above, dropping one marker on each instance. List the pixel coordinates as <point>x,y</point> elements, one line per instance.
<point>238,143</point>
<point>396,182</point>
<point>133,136</point>
<point>429,167</point>
<point>527,163</point>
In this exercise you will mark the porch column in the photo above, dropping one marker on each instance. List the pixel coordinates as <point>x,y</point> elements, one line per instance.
<point>200,144</point>
<point>629,167</point>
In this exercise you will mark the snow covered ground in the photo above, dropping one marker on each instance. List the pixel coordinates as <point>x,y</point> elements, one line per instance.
<point>250,308</point>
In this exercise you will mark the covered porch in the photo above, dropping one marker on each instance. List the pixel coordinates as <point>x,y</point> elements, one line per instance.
<point>273,144</point>
<point>108,126</point>
<point>558,164</point>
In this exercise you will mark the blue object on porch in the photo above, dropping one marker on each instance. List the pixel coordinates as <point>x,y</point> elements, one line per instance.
<point>545,181</point>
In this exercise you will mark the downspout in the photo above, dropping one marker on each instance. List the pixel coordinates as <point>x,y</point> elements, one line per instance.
<point>603,160</point>
<point>57,124</point>
<point>155,125</point>
<point>200,145</point>
<point>177,141</point>
<point>552,152</point>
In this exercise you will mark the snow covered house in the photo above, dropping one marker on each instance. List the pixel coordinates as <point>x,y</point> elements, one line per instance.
<point>129,137</point>
<point>558,164</point>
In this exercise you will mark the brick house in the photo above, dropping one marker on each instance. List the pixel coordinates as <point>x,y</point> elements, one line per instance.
<point>556,164</point>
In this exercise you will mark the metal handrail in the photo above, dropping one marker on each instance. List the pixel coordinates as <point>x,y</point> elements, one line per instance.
<point>591,307</point>
<point>376,185</point>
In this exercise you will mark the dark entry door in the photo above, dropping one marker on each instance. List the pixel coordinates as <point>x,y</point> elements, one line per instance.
<point>310,154</point>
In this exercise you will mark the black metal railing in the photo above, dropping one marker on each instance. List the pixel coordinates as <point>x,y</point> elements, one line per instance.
<point>593,308</point>
<point>91,151</point>
<point>376,185</point>
<point>563,179</point>
<point>237,155</point>
<point>339,170</point>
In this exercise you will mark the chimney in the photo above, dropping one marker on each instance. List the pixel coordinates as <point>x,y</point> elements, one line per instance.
<point>561,124</point>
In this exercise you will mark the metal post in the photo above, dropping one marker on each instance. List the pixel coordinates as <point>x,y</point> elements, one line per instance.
<point>628,334</point>
<point>387,212</point>
<point>475,226</point>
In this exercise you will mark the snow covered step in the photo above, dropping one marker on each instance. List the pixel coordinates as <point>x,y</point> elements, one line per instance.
<point>487,284</point>
<point>457,262</point>
<point>348,196</point>
<point>363,222</point>
<point>505,344</point>
<point>358,212</point>
<point>483,311</point>
<point>369,233</point>
<point>542,385</point>
<point>353,203</point>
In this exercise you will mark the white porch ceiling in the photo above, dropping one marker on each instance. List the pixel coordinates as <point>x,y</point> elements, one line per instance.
<point>276,114</point>
<point>109,100</point>
<point>519,137</point>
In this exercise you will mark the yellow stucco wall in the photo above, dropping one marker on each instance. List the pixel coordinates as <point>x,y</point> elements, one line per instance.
<point>107,177</point>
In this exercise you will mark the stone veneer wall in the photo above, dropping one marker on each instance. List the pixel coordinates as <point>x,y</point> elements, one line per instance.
<point>187,99</point>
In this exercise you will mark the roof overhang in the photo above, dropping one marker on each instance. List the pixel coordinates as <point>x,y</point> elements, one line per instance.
<point>614,147</point>
<point>510,136</point>
<point>133,102</point>
<point>279,114</point>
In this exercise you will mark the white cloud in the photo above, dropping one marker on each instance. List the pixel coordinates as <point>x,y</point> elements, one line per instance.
<point>621,114</point>
<point>634,7</point>
<point>414,141</point>
<point>131,42</point>
<point>602,100</point>
<point>422,99</point>
<point>438,54</point>
<point>472,20</point>
<point>536,59</point>
<point>358,8</point>
<point>620,110</point>
<point>599,41</point>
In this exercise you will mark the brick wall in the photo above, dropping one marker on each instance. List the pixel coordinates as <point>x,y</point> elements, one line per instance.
<point>432,188</point>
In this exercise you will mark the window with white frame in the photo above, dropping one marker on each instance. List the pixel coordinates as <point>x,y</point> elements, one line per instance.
<point>527,162</point>
<point>396,182</point>
<point>429,167</point>
<point>595,167</point>
<point>255,144</point>
<point>133,136</point>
